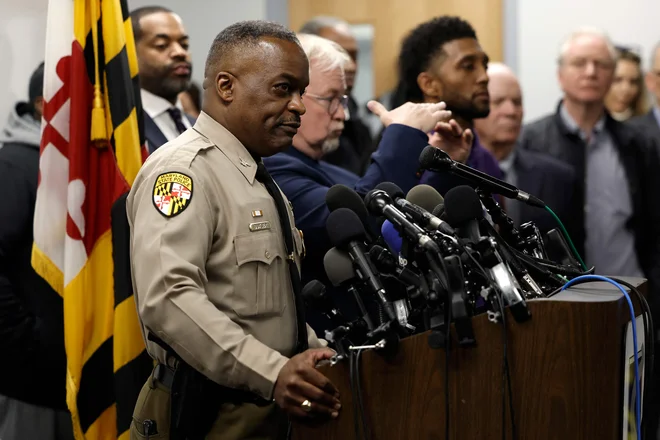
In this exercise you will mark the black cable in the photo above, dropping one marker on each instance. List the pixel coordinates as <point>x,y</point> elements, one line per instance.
<point>540,265</point>
<point>447,348</point>
<point>506,375</point>
<point>365,425</point>
<point>356,413</point>
<point>551,265</point>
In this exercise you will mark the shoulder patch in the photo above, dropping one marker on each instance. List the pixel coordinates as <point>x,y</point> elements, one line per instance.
<point>172,193</point>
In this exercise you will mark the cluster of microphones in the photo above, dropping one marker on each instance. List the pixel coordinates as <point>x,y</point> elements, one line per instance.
<point>419,262</point>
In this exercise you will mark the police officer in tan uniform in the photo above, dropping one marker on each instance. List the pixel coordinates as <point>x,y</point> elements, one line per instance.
<point>209,255</point>
<point>215,256</point>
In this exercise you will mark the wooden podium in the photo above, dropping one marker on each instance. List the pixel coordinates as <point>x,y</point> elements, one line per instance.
<point>566,366</point>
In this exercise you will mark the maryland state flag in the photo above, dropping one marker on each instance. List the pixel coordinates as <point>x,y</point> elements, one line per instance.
<point>91,151</point>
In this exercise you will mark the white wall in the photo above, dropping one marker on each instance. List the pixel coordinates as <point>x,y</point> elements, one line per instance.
<point>22,35</point>
<point>533,31</point>
<point>541,25</point>
<point>23,31</point>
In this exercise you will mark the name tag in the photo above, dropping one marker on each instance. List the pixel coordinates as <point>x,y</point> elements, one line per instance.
<point>260,226</point>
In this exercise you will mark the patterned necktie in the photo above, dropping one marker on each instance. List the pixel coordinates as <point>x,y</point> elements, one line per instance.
<point>176,116</point>
<point>264,177</point>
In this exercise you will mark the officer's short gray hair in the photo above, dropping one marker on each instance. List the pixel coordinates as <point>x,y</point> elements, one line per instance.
<point>589,32</point>
<point>242,35</point>
<point>324,54</point>
<point>318,23</point>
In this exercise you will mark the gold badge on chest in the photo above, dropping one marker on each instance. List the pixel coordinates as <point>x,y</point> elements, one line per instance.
<point>259,226</point>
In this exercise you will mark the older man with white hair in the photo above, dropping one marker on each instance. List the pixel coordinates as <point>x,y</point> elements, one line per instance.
<point>355,144</point>
<point>536,173</point>
<point>616,166</point>
<point>305,178</point>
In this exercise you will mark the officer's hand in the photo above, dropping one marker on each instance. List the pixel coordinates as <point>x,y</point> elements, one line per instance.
<point>453,140</point>
<point>299,380</point>
<point>420,116</point>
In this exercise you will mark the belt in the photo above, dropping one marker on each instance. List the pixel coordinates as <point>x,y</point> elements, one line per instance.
<point>146,428</point>
<point>164,375</point>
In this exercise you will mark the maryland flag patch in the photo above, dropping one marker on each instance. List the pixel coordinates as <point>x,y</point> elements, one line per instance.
<point>172,193</point>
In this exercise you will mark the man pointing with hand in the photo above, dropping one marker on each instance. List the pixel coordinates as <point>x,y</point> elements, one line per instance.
<point>305,178</point>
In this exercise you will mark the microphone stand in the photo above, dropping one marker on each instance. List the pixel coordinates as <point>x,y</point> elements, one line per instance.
<point>448,272</point>
<point>508,229</point>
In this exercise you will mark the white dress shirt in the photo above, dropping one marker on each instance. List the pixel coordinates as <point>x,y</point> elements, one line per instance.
<point>156,107</point>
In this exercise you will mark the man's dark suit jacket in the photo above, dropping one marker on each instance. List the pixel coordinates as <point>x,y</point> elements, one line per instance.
<point>155,137</point>
<point>648,123</point>
<point>640,158</point>
<point>551,181</point>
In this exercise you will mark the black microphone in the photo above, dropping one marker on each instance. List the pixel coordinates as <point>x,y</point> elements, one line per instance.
<point>341,196</point>
<point>339,268</point>
<point>385,262</point>
<point>464,211</point>
<point>380,203</point>
<point>435,159</point>
<point>418,214</point>
<point>346,232</point>
<point>315,296</point>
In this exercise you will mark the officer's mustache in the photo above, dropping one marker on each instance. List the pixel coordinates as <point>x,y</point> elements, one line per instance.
<point>293,121</point>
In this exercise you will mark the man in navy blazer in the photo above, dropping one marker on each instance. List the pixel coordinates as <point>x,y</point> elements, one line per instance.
<point>538,174</point>
<point>161,44</point>
<point>305,178</point>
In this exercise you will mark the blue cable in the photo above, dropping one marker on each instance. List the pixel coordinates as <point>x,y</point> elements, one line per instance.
<point>638,415</point>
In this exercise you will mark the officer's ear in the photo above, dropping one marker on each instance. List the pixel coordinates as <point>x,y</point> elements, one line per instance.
<point>224,85</point>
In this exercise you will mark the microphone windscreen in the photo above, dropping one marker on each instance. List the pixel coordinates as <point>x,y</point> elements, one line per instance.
<point>439,211</point>
<point>391,237</point>
<point>341,196</point>
<point>344,226</point>
<point>338,267</point>
<point>427,157</point>
<point>313,291</point>
<point>391,189</point>
<point>424,196</point>
<point>462,204</point>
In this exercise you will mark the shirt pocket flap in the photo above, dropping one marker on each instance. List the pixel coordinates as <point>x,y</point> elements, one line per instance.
<point>259,246</point>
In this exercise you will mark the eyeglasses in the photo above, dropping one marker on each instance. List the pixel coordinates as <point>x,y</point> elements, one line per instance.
<point>333,102</point>
<point>582,63</point>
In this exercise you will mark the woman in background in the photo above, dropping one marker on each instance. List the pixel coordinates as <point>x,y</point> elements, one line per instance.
<point>626,97</point>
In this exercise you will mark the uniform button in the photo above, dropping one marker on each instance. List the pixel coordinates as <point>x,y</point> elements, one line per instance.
<point>267,254</point>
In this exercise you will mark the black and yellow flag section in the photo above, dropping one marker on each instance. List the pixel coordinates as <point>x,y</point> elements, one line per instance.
<point>91,150</point>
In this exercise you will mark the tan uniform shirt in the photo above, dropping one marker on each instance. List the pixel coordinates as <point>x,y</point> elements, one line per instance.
<point>209,263</point>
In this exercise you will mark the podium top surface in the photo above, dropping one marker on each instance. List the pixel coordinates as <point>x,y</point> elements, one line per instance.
<point>596,291</point>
